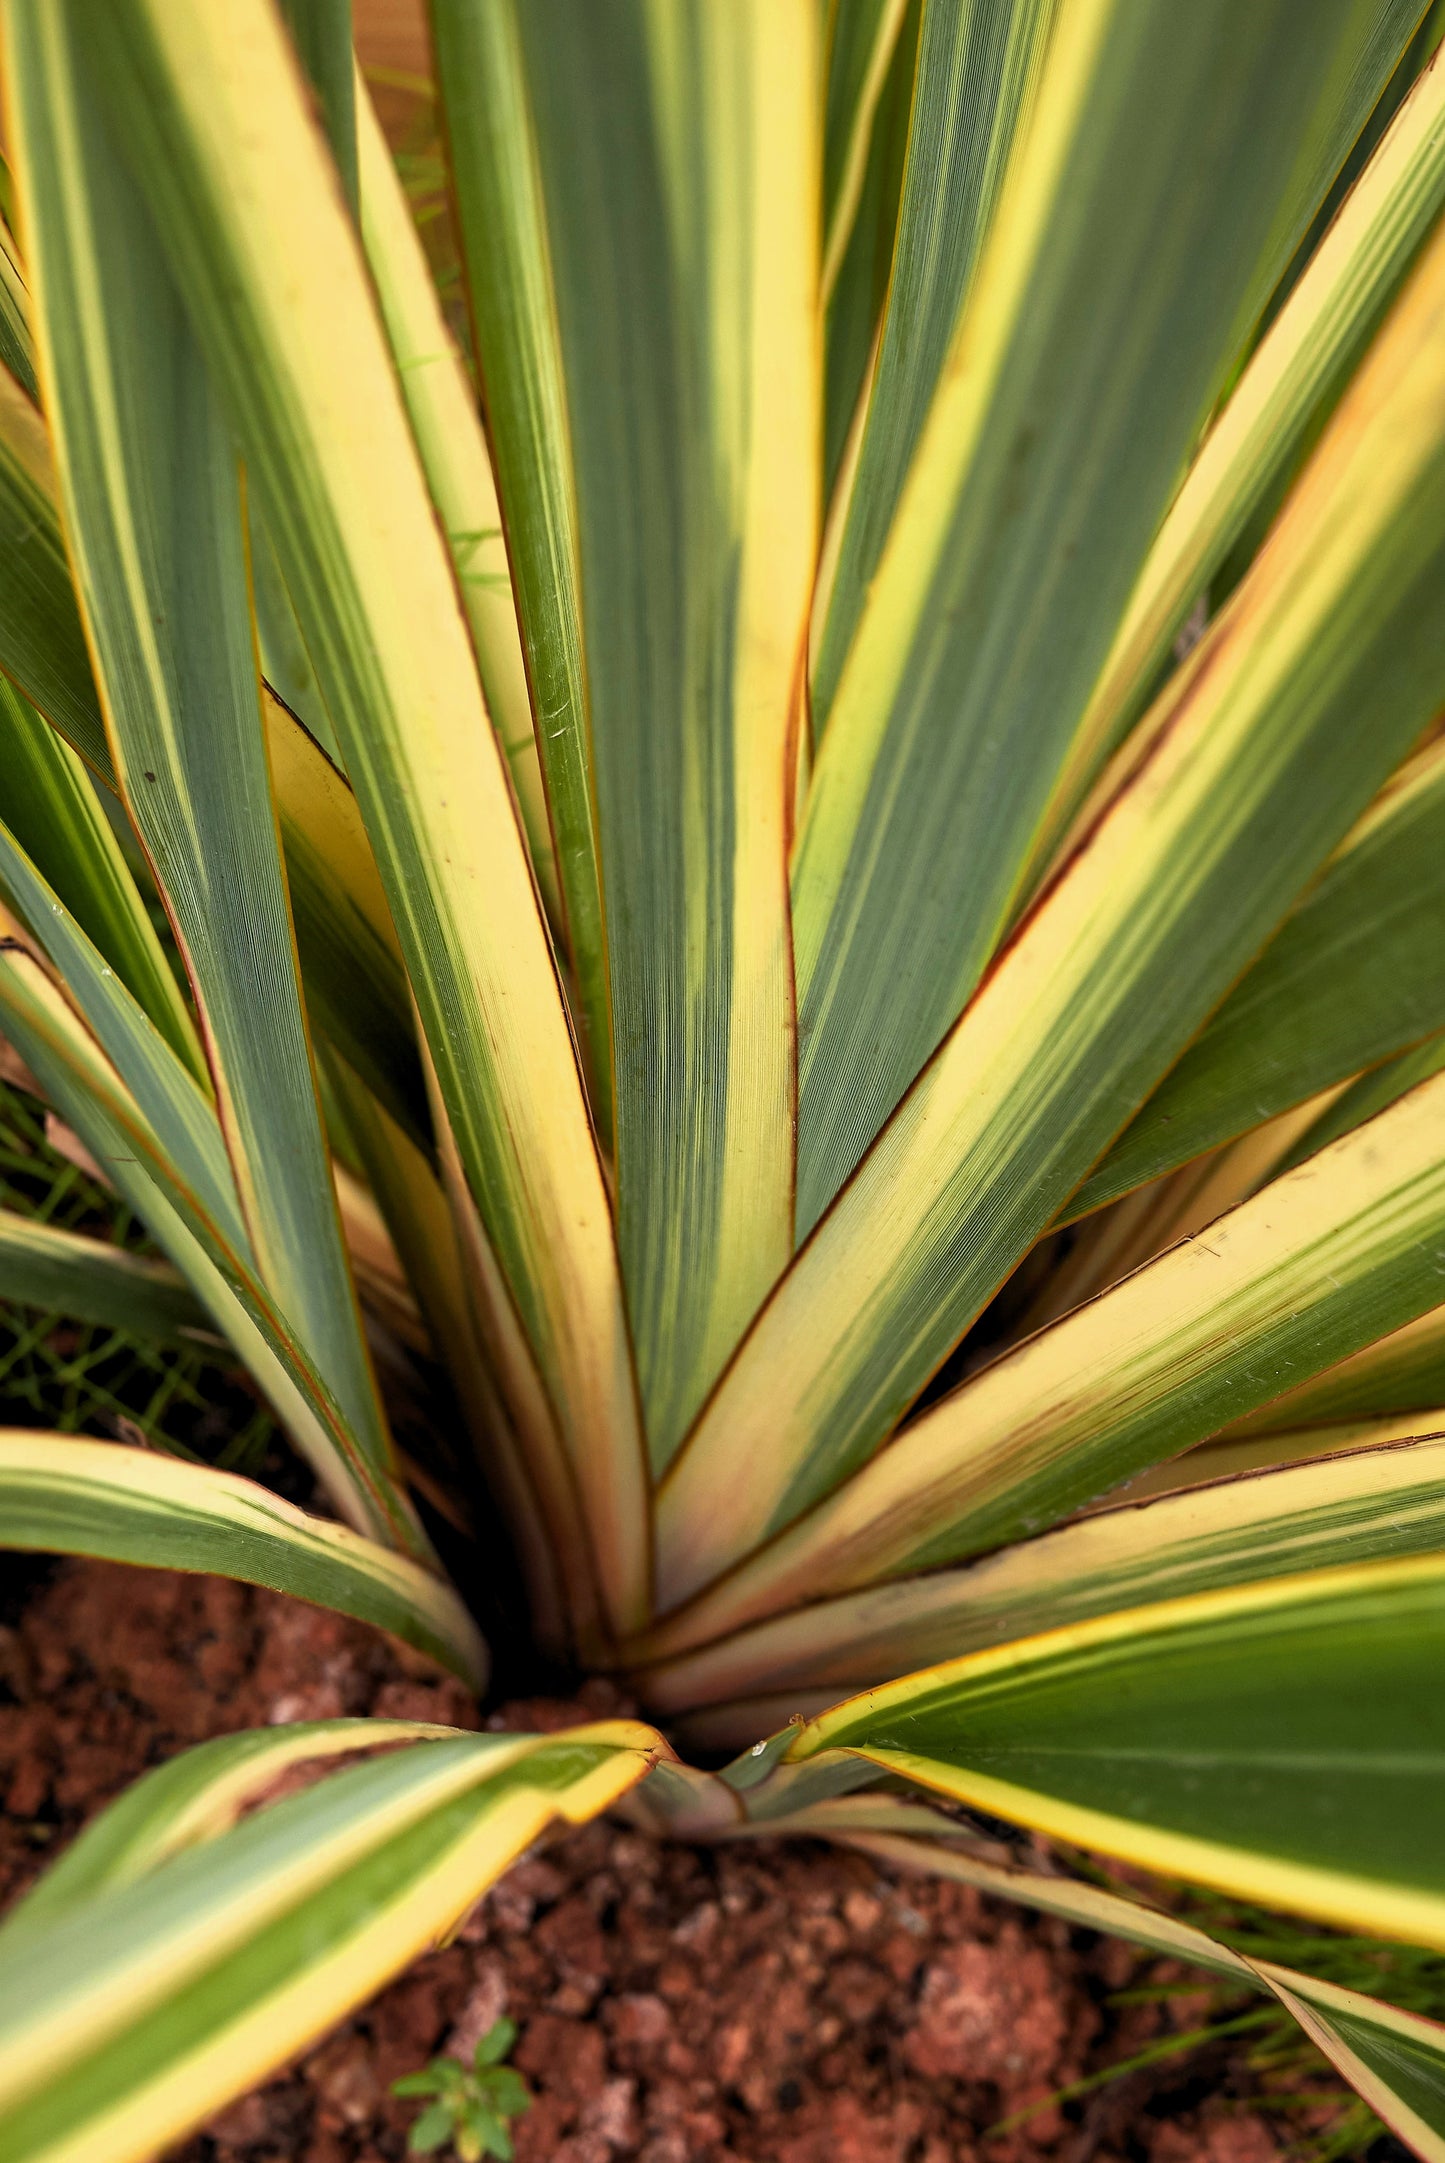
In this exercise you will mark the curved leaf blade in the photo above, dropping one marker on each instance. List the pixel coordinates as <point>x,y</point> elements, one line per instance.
<point>448,429</point>
<point>63,1272</point>
<point>76,1497</point>
<point>677,158</point>
<point>1292,379</point>
<point>1351,977</point>
<point>1315,1266</point>
<point>1361,1506</point>
<point>77,1078</point>
<point>1195,1738</point>
<point>207,1971</point>
<point>52,809</point>
<point>155,517</point>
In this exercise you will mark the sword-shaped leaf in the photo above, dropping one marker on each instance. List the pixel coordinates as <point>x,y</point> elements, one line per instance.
<point>1317,1265</point>
<point>1351,977</point>
<point>1404,1372</point>
<point>355,982</point>
<point>1152,199</point>
<point>855,294</point>
<point>155,517</point>
<point>214,1965</point>
<point>211,113</point>
<point>1288,716</point>
<point>677,159</point>
<point>509,284</point>
<point>321,33</point>
<point>1362,1506</point>
<point>63,1272</point>
<point>977,71</point>
<point>42,647</point>
<point>75,1497</point>
<point>1373,1092</point>
<point>54,815</point>
<point>17,351</point>
<point>863,36</point>
<point>448,430</point>
<point>1279,1741</point>
<point>1292,380</point>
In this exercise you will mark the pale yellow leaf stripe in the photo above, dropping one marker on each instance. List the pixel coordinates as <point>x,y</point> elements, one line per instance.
<point>407,1843</point>
<point>1345,284</point>
<point>444,418</point>
<point>1074,1021</point>
<point>1378,1904</point>
<point>844,208</point>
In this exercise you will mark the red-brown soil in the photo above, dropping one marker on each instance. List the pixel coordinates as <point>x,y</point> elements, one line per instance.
<point>782,2002</point>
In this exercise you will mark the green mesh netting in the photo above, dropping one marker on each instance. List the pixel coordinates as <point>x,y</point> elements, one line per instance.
<point>84,1378</point>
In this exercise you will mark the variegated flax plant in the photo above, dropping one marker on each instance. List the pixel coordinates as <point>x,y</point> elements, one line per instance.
<point>808,834</point>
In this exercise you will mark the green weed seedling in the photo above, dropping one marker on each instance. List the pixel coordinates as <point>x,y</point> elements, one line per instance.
<point>472,2106</point>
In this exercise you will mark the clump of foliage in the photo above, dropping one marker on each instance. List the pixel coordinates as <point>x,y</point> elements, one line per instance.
<point>815,861</point>
<point>472,2106</point>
